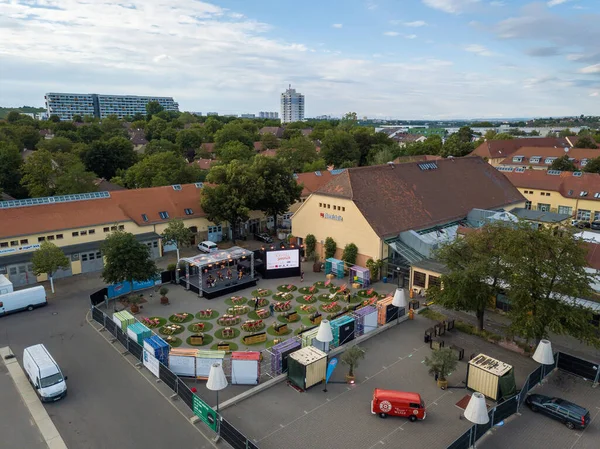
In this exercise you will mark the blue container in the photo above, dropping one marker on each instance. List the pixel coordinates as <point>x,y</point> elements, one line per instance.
<point>385,280</point>
<point>159,347</point>
<point>342,330</point>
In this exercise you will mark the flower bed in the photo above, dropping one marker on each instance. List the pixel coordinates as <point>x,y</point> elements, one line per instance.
<point>308,290</point>
<point>208,339</point>
<point>200,327</point>
<point>262,302</point>
<point>227,333</point>
<point>237,310</point>
<point>154,322</point>
<point>333,307</point>
<point>171,329</point>
<point>321,284</point>
<point>282,306</point>
<point>280,296</point>
<point>253,325</point>
<point>305,309</point>
<point>307,299</point>
<point>262,292</point>
<point>368,293</point>
<point>236,301</point>
<point>287,288</point>
<point>207,314</point>
<point>182,317</point>
<point>260,314</point>
<point>229,320</point>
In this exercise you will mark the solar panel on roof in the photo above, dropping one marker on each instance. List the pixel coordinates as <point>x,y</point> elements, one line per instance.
<point>554,172</point>
<point>577,173</point>
<point>428,166</point>
<point>519,170</point>
<point>318,173</point>
<point>337,171</point>
<point>53,199</point>
<point>199,185</point>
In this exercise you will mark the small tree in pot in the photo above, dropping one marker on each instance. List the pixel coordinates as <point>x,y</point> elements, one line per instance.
<point>316,263</point>
<point>351,357</point>
<point>442,362</point>
<point>133,300</point>
<point>163,295</point>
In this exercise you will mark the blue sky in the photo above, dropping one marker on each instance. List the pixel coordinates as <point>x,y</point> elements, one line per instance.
<point>432,59</point>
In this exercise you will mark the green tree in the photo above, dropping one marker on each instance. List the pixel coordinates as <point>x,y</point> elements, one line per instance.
<point>503,136</point>
<point>317,165</point>
<point>10,169</point>
<point>233,150</point>
<point>89,133</point>
<point>455,147</point>
<point>350,253</point>
<point>160,169</point>
<point>465,134</point>
<point>297,152</point>
<point>269,141</point>
<point>593,166</point>
<point>105,157</point>
<point>212,125</point>
<point>77,118</point>
<point>311,244</point>
<point>338,147</point>
<point>160,146</point>
<point>233,132</point>
<point>547,270</point>
<point>178,234</point>
<point>28,136</point>
<point>189,141</point>
<point>54,118</point>
<point>126,259</point>
<point>111,126</point>
<point>330,247</point>
<point>155,127</point>
<point>565,133</point>
<point>169,133</point>
<point>382,156</point>
<point>475,271</point>
<point>55,145</point>
<point>585,142</point>
<point>152,107</point>
<point>75,179</point>
<point>320,129</point>
<point>278,189</point>
<point>563,163</point>
<point>352,357</point>
<point>231,194</point>
<point>48,259</point>
<point>349,121</point>
<point>13,116</point>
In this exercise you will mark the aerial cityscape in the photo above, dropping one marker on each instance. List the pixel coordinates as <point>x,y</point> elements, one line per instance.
<point>246,225</point>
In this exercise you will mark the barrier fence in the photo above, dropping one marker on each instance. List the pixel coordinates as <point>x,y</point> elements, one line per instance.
<point>227,431</point>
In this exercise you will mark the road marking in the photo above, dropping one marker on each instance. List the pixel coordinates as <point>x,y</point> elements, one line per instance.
<point>37,411</point>
<point>187,418</point>
<point>582,432</point>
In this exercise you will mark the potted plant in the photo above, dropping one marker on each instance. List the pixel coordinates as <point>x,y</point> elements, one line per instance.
<point>133,301</point>
<point>316,262</point>
<point>442,362</point>
<point>163,295</point>
<point>351,357</point>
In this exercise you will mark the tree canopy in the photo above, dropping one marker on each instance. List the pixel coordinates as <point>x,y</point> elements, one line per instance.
<point>48,259</point>
<point>106,157</point>
<point>563,163</point>
<point>126,259</point>
<point>159,169</point>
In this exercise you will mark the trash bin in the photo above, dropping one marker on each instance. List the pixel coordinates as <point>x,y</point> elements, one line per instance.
<point>385,280</point>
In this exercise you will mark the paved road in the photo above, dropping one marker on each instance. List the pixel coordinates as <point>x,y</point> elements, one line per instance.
<point>17,429</point>
<point>109,404</point>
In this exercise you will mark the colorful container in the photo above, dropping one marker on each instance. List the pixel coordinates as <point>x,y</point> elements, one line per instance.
<point>245,368</point>
<point>205,359</point>
<point>183,361</point>
<point>123,319</point>
<point>280,353</point>
<point>366,320</point>
<point>386,311</point>
<point>138,332</point>
<point>342,329</point>
<point>307,367</point>
<point>158,348</point>
<point>309,338</point>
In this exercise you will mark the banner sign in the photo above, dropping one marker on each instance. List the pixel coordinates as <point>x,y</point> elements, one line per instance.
<point>123,288</point>
<point>332,364</point>
<point>151,363</point>
<point>203,411</point>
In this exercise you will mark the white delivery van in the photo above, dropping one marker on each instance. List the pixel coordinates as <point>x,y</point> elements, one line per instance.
<point>44,373</point>
<point>5,285</point>
<point>26,299</point>
<point>208,247</point>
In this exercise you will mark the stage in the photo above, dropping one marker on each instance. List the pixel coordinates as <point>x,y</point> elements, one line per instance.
<point>221,288</point>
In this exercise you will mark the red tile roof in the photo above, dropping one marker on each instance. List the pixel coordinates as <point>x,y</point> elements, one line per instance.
<point>277,131</point>
<point>208,147</point>
<point>494,149</point>
<point>568,185</point>
<point>527,153</point>
<point>593,255</point>
<point>419,195</point>
<point>419,158</point>
<point>205,164</point>
<point>313,181</point>
<point>268,153</point>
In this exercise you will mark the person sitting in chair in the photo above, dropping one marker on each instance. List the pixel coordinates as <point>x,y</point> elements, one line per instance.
<point>229,275</point>
<point>220,275</point>
<point>240,275</point>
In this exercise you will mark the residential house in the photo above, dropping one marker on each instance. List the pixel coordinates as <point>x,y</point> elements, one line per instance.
<point>541,158</point>
<point>495,151</point>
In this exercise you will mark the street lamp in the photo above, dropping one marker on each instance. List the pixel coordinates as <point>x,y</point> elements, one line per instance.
<point>398,275</point>
<point>543,355</point>
<point>476,412</point>
<point>399,300</point>
<point>324,335</point>
<point>216,382</point>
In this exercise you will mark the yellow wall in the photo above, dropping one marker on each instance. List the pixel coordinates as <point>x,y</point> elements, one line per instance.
<point>76,266</point>
<point>353,229</point>
<point>555,199</point>
<point>427,273</point>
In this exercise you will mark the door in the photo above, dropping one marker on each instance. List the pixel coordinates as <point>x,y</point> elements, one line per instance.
<point>60,273</point>
<point>21,275</point>
<point>215,233</point>
<point>91,262</point>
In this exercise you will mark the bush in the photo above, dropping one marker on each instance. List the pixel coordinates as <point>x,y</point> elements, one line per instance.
<point>171,267</point>
<point>432,314</point>
<point>330,247</point>
<point>350,253</point>
<point>374,267</point>
<point>163,291</point>
<point>311,243</point>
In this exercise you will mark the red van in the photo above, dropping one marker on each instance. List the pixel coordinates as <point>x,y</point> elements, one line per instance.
<point>398,403</point>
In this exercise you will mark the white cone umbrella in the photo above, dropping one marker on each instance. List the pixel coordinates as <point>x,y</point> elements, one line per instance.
<point>399,299</point>
<point>543,353</point>
<point>324,334</point>
<point>216,378</point>
<point>476,410</point>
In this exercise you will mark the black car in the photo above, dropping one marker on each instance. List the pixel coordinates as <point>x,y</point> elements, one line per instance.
<point>595,225</point>
<point>572,415</point>
<point>263,237</point>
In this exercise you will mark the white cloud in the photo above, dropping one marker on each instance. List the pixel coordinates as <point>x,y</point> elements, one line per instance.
<point>595,94</point>
<point>415,24</point>
<point>370,4</point>
<point>591,69</point>
<point>160,58</point>
<point>451,6</point>
<point>410,36</point>
<point>391,33</point>
<point>478,50</point>
<point>552,3</point>
<point>337,25</point>
<point>497,3</point>
<point>575,56</point>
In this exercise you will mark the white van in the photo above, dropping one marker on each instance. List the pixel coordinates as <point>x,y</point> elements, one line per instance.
<point>208,247</point>
<point>44,373</point>
<point>27,299</point>
<point>5,285</point>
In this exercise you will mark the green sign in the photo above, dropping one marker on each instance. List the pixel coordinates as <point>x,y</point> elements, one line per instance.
<point>203,411</point>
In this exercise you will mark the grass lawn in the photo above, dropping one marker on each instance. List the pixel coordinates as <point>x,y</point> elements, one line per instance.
<point>283,296</point>
<point>306,290</point>
<point>312,300</point>
<point>206,318</point>
<point>335,309</point>
<point>262,293</point>
<point>220,336</point>
<point>304,312</point>
<point>287,288</point>
<point>254,316</point>
<point>207,327</point>
<point>187,319</point>
<point>238,310</point>
<point>432,314</point>
<point>307,322</point>
<point>161,322</point>
<point>242,301</point>
<point>325,297</point>
<point>271,331</point>
<point>208,339</point>
<point>232,346</point>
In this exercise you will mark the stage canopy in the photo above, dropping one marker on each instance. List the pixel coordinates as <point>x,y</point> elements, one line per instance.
<point>233,253</point>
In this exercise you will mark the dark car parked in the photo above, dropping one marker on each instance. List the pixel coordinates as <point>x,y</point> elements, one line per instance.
<point>571,415</point>
<point>595,225</point>
<point>263,237</point>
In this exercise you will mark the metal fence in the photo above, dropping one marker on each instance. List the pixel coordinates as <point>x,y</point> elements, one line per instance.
<point>227,431</point>
<point>580,367</point>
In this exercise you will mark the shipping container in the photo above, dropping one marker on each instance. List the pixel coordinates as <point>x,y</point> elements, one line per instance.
<point>183,361</point>
<point>342,329</point>
<point>158,348</point>
<point>123,319</point>
<point>307,367</point>
<point>279,354</point>
<point>366,320</point>
<point>386,311</point>
<point>205,359</point>
<point>309,338</point>
<point>490,377</point>
<point>245,367</point>
<point>138,332</point>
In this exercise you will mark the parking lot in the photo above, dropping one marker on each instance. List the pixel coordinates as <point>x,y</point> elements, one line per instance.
<point>538,431</point>
<point>281,416</point>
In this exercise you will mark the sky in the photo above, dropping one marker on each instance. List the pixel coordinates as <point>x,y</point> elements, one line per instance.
<point>406,59</point>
